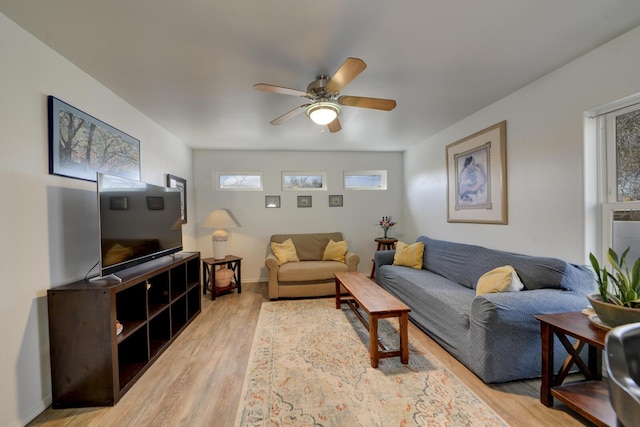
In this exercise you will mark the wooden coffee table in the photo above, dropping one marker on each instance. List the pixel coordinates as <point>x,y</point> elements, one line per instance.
<point>378,304</point>
<point>589,398</point>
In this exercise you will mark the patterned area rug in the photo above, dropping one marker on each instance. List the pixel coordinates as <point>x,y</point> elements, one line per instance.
<point>309,366</point>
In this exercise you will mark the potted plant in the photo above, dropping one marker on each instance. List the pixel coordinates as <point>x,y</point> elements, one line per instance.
<point>618,299</point>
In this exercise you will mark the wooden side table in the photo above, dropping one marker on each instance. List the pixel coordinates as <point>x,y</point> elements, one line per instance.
<point>383,245</point>
<point>208,275</point>
<point>589,398</point>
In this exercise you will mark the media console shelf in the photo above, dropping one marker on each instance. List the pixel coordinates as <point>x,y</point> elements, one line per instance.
<point>92,365</point>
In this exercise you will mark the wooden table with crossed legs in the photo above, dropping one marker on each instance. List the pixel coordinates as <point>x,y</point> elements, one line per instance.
<point>378,304</point>
<point>589,398</point>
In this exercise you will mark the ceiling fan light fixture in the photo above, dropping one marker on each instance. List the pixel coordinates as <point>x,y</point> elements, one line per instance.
<point>323,112</point>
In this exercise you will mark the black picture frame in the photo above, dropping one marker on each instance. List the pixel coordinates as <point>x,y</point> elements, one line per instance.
<point>335,200</point>
<point>304,201</point>
<point>181,184</point>
<point>81,145</point>
<point>271,201</point>
<point>155,203</point>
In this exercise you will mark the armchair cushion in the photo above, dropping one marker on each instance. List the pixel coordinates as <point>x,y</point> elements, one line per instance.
<point>309,271</point>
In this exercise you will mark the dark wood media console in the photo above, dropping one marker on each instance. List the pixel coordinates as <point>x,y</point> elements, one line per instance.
<point>92,365</point>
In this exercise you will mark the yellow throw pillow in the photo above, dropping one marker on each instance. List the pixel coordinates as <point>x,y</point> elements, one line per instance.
<point>501,279</point>
<point>285,251</point>
<point>409,255</point>
<point>335,251</point>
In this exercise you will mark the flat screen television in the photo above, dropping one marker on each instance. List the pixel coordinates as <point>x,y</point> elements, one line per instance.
<point>138,222</point>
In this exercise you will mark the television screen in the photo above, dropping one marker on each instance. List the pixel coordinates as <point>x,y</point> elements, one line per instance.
<point>138,222</point>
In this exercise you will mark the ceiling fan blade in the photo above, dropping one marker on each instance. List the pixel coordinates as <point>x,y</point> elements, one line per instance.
<point>279,89</point>
<point>334,126</point>
<point>286,116</point>
<point>348,71</point>
<point>364,102</point>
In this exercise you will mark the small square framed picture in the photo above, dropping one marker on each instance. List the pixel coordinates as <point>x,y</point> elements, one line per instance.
<point>304,201</point>
<point>271,201</point>
<point>335,201</point>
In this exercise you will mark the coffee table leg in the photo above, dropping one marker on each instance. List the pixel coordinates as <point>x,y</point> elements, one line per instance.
<point>373,340</point>
<point>338,302</point>
<point>404,338</point>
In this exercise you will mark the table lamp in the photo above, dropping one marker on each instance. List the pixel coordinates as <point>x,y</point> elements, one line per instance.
<point>220,220</point>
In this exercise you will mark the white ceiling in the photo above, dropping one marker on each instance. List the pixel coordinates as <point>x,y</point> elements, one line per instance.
<point>190,65</point>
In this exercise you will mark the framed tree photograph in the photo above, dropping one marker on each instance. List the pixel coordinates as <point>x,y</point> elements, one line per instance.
<point>477,177</point>
<point>81,145</point>
<point>271,201</point>
<point>181,184</point>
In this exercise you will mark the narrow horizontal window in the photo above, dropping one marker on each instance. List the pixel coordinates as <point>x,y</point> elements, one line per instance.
<point>304,181</point>
<point>365,180</point>
<point>239,181</point>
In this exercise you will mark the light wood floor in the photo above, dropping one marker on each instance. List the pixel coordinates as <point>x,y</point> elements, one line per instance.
<point>198,380</point>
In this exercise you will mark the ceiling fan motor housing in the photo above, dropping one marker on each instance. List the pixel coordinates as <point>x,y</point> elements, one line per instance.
<point>318,87</point>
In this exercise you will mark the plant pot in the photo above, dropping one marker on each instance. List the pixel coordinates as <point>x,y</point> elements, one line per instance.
<point>223,277</point>
<point>611,314</point>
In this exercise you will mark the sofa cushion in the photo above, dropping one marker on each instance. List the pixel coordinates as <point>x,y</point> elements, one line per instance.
<point>501,279</point>
<point>309,247</point>
<point>335,251</point>
<point>310,270</point>
<point>409,255</point>
<point>285,252</point>
<point>445,304</point>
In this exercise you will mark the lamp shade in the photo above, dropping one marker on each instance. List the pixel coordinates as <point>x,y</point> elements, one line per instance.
<point>219,218</point>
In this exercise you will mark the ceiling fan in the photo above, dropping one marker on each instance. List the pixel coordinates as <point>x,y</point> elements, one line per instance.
<point>324,94</point>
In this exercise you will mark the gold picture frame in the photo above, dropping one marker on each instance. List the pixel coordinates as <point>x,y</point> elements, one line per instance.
<point>477,177</point>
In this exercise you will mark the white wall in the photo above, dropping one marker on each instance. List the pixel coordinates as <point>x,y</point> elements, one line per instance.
<point>545,158</point>
<point>356,219</point>
<point>48,223</point>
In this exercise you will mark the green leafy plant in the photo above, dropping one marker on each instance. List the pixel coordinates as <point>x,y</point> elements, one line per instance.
<point>618,286</point>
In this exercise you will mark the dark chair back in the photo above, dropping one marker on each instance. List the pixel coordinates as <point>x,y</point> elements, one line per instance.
<point>622,347</point>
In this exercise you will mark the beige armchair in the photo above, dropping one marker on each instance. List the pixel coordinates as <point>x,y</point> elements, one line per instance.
<point>310,276</point>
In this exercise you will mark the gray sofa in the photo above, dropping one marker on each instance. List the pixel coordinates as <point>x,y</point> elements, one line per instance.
<point>495,335</point>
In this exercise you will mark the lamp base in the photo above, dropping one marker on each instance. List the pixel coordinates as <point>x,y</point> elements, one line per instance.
<point>219,242</point>
<point>219,249</point>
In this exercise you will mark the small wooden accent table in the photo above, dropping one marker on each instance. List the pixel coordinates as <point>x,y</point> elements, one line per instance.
<point>208,275</point>
<point>589,398</point>
<point>383,245</point>
<point>378,304</point>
